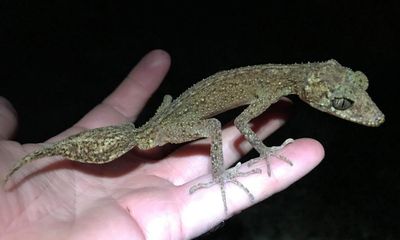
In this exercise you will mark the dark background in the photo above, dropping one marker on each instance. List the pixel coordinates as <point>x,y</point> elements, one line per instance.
<point>59,59</point>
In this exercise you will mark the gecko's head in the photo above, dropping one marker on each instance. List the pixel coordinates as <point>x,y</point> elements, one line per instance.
<point>340,91</point>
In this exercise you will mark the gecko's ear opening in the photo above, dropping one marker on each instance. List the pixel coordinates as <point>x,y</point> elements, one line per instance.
<point>360,79</point>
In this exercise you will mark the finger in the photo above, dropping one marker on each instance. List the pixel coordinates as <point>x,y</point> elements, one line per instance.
<point>8,119</point>
<point>125,103</point>
<point>193,160</point>
<point>204,209</point>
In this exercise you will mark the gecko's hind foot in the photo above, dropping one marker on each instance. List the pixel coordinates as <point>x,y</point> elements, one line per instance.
<point>229,176</point>
<point>272,151</point>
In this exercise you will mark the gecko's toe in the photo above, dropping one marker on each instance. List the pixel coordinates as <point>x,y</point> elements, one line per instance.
<point>272,151</point>
<point>228,176</point>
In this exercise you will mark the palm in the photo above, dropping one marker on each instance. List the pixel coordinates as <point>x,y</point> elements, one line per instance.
<point>138,195</point>
<point>102,196</point>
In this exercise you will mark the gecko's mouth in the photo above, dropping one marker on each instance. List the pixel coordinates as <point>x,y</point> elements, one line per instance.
<point>370,120</point>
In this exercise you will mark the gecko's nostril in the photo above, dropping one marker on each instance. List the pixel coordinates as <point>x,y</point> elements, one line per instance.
<point>380,119</point>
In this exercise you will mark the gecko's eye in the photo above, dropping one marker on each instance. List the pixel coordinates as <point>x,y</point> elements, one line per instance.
<point>342,103</point>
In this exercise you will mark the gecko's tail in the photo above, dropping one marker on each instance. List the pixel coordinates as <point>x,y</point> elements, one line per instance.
<point>40,153</point>
<point>98,145</point>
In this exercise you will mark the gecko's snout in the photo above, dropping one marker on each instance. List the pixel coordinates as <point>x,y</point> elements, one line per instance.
<point>374,120</point>
<point>379,119</point>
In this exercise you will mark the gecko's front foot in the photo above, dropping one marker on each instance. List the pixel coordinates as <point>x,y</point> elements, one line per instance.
<point>272,151</point>
<point>228,176</point>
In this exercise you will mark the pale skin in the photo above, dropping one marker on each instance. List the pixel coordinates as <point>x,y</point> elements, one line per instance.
<point>140,195</point>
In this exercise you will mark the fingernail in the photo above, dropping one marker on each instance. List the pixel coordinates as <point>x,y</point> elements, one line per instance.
<point>154,58</point>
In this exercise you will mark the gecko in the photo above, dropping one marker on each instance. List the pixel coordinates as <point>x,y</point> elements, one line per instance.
<point>327,86</point>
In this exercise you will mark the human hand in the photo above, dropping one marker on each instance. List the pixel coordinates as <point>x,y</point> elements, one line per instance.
<point>136,196</point>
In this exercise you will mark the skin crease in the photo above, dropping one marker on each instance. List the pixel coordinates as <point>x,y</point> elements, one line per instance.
<point>136,196</point>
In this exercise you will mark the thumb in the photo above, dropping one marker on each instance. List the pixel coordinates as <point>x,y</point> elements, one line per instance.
<point>8,119</point>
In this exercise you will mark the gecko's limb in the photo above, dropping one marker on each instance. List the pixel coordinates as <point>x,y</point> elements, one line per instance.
<point>242,123</point>
<point>210,128</point>
<point>99,145</point>
<point>228,176</point>
<point>272,152</point>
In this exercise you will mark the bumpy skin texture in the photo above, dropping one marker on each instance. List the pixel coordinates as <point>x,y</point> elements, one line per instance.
<point>326,86</point>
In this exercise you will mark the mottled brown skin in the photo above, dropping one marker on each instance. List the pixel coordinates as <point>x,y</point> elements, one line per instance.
<point>327,86</point>
<point>99,145</point>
